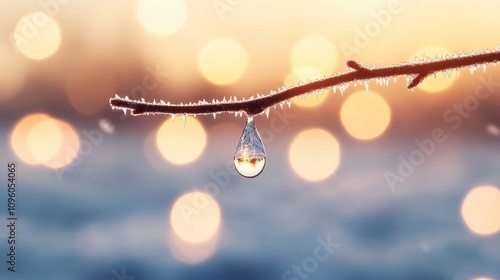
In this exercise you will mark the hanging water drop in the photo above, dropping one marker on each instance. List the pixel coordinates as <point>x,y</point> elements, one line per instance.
<point>250,156</point>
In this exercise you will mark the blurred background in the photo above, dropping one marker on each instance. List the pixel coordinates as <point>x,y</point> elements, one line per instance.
<point>389,184</point>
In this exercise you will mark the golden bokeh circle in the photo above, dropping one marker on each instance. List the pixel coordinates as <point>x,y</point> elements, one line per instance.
<point>37,35</point>
<point>365,116</point>
<point>40,139</point>
<point>181,144</point>
<point>481,210</point>
<point>314,51</point>
<point>222,61</point>
<point>162,17</point>
<point>195,217</point>
<point>314,154</point>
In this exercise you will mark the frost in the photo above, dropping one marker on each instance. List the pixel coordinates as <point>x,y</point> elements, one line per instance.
<point>183,116</point>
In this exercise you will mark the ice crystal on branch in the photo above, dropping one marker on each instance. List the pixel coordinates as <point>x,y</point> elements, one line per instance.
<point>414,72</point>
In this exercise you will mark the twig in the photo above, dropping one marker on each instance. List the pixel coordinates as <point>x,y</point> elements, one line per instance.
<point>415,73</point>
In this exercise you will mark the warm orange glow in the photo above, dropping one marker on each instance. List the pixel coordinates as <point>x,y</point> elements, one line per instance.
<point>89,91</point>
<point>19,137</point>
<point>314,154</point>
<point>181,144</point>
<point>303,74</point>
<point>195,217</point>
<point>44,140</point>
<point>222,61</point>
<point>68,151</point>
<point>162,17</point>
<point>41,139</point>
<point>431,84</point>
<point>37,35</point>
<point>482,278</point>
<point>192,253</point>
<point>481,210</point>
<point>314,51</point>
<point>365,116</point>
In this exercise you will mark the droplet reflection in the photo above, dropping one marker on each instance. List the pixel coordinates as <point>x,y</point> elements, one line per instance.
<point>250,156</point>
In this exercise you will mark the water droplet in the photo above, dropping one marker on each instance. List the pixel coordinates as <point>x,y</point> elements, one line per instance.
<point>250,156</point>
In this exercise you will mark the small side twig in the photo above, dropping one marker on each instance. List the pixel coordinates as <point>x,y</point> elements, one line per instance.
<point>417,80</point>
<point>260,104</point>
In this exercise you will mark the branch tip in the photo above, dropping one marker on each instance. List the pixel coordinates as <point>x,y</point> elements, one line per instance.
<point>355,65</point>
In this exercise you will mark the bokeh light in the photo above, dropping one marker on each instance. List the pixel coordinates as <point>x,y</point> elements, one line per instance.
<point>481,210</point>
<point>106,126</point>
<point>365,116</point>
<point>179,143</point>
<point>195,217</point>
<point>482,278</point>
<point>89,90</point>
<point>314,154</point>
<point>431,84</point>
<point>19,137</point>
<point>192,253</point>
<point>303,74</point>
<point>69,149</point>
<point>314,51</point>
<point>162,17</point>
<point>41,139</point>
<point>222,61</point>
<point>44,140</point>
<point>37,35</point>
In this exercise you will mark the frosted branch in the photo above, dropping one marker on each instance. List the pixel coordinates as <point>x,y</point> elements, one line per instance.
<point>417,72</point>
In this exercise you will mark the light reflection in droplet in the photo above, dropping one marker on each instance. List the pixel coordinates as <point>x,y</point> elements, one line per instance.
<point>195,217</point>
<point>222,61</point>
<point>37,35</point>
<point>162,17</point>
<point>181,144</point>
<point>481,210</point>
<point>365,116</point>
<point>314,154</point>
<point>250,155</point>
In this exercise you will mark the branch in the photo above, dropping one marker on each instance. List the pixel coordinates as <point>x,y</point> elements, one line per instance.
<point>415,73</point>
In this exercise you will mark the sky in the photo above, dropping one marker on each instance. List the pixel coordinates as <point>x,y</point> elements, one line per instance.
<point>375,182</point>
